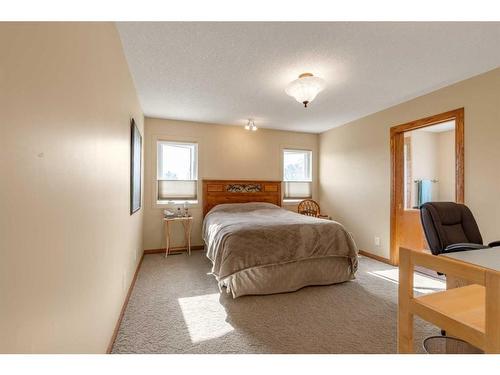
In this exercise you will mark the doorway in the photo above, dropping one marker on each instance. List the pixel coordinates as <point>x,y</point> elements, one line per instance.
<point>427,164</point>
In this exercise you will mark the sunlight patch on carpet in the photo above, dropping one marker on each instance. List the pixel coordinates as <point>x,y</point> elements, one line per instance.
<point>205,317</point>
<point>421,283</point>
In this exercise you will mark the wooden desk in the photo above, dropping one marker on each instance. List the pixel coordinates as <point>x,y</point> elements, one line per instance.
<point>486,258</point>
<point>471,313</point>
<point>187,222</point>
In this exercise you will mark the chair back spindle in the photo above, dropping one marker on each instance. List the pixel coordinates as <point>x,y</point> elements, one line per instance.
<point>309,207</point>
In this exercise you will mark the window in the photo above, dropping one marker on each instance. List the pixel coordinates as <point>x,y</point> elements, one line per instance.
<point>297,174</point>
<point>177,174</point>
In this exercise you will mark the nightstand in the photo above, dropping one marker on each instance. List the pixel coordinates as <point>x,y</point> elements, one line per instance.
<point>187,222</point>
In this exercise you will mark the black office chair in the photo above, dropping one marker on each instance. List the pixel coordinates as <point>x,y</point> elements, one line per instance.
<point>451,227</point>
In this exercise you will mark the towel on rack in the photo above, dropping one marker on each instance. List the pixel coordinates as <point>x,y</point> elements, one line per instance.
<point>424,192</point>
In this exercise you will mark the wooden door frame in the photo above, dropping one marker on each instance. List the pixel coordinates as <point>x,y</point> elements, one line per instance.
<point>396,139</point>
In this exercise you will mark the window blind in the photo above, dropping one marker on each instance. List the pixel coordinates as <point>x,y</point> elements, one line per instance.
<point>298,190</point>
<point>177,190</point>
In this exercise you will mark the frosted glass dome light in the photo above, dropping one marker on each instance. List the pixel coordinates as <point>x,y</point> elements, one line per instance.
<point>305,88</point>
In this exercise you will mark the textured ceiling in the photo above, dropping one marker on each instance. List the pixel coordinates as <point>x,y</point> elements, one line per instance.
<point>228,72</point>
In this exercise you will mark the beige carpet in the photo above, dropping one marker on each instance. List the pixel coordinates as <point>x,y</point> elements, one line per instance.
<point>176,307</point>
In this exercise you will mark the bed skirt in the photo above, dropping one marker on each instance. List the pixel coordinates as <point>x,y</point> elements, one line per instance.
<point>291,276</point>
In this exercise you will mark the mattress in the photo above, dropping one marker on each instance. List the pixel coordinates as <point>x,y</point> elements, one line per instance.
<point>260,248</point>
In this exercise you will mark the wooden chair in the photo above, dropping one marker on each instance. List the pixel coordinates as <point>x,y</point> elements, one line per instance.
<point>309,207</point>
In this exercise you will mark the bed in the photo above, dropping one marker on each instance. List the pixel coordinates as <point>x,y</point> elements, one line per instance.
<point>257,247</point>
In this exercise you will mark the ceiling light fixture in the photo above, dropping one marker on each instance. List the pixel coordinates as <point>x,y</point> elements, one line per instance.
<point>305,88</point>
<point>250,125</point>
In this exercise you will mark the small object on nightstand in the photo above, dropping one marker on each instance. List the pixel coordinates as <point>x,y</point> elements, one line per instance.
<point>168,214</point>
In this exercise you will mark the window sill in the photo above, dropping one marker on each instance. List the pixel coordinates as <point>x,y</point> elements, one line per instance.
<point>292,202</point>
<point>174,202</point>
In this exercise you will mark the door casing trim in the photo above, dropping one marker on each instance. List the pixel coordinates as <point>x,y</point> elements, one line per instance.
<point>396,139</point>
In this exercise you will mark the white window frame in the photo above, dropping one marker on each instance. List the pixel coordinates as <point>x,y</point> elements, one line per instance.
<point>311,170</point>
<point>156,168</point>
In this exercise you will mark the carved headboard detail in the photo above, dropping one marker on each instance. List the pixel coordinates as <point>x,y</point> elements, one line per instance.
<point>239,191</point>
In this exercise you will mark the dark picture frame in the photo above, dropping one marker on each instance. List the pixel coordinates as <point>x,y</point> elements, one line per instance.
<point>135,167</point>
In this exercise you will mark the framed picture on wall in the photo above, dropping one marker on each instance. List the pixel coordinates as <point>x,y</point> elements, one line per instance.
<point>135,167</point>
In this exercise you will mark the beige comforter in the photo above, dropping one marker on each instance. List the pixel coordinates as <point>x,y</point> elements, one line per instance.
<point>246,235</point>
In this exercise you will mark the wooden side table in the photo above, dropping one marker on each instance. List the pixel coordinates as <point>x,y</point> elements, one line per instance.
<point>186,223</point>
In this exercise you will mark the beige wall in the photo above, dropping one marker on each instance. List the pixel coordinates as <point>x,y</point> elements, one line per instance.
<point>433,158</point>
<point>424,162</point>
<point>68,246</point>
<point>424,155</point>
<point>355,163</point>
<point>446,165</point>
<point>225,152</point>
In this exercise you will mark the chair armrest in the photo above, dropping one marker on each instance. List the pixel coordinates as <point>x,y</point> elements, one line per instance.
<point>328,218</point>
<point>494,244</point>
<point>463,247</point>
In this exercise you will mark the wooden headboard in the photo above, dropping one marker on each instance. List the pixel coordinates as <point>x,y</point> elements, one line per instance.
<point>239,191</point>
